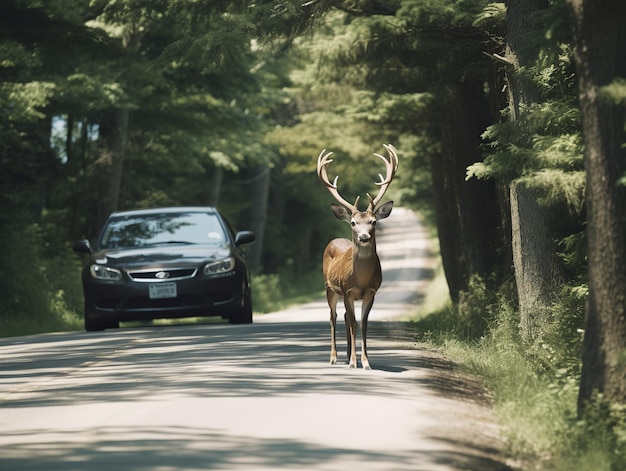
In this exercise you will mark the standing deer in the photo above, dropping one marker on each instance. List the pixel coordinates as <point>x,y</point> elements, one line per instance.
<point>352,268</point>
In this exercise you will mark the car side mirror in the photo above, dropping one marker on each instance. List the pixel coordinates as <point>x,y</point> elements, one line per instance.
<point>82,246</point>
<point>244,237</point>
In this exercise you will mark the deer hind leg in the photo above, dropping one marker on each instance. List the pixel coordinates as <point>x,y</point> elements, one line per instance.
<point>350,330</point>
<point>365,312</point>
<point>332,298</point>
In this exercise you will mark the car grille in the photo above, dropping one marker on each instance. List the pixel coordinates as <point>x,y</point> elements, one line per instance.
<point>143,303</point>
<point>163,275</point>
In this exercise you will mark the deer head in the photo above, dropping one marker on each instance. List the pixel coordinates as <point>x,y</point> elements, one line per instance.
<point>363,222</point>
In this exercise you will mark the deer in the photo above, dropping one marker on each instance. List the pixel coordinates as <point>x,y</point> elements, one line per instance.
<point>351,268</point>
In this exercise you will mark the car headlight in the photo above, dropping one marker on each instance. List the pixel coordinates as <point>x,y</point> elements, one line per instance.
<point>101,272</point>
<point>220,266</point>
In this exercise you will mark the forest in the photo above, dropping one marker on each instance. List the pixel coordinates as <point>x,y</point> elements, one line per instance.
<point>509,119</point>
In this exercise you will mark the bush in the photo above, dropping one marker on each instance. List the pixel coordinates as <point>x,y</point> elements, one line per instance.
<point>273,292</point>
<point>266,293</point>
<point>40,293</point>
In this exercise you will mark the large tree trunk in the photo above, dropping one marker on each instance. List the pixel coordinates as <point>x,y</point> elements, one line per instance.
<point>446,223</point>
<point>533,259</point>
<point>600,36</point>
<point>467,211</point>
<point>533,252</point>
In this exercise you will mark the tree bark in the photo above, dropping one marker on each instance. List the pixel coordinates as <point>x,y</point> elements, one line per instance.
<point>533,252</point>
<point>446,223</point>
<point>533,260</point>
<point>214,186</point>
<point>600,38</point>
<point>113,153</point>
<point>258,193</point>
<point>467,211</point>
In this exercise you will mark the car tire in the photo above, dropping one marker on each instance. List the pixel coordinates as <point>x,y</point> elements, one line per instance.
<point>92,325</point>
<point>243,316</point>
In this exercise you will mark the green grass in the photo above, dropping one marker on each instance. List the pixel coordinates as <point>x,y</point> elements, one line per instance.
<point>534,387</point>
<point>54,317</point>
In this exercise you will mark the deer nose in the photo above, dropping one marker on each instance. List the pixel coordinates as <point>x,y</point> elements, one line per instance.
<point>364,237</point>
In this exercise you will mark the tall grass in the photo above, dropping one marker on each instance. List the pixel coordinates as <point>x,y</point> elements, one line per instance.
<point>534,384</point>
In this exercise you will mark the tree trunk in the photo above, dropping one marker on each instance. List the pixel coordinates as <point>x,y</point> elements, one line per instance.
<point>113,152</point>
<point>533,260</point>
<point>214,186</point>
<point>533,252</point>
<point>600,38</point>
<point>446,223</point>
<point>467,214</point>
<point>258,193</point>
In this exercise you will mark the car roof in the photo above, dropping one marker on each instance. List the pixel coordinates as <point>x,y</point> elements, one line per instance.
<point>165,210</point>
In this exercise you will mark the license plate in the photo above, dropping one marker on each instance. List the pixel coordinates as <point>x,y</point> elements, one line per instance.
<point>162,290</point>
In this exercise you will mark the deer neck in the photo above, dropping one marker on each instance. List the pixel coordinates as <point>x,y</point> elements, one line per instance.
<point>363,254</point>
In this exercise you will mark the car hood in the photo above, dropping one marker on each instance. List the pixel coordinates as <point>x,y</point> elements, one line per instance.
<point>160,256</point>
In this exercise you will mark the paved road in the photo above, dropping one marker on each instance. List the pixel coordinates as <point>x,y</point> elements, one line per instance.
<point>255,397</point>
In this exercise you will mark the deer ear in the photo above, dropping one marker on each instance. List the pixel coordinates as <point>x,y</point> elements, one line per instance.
<point>340,212</point>
<point>384,210</point>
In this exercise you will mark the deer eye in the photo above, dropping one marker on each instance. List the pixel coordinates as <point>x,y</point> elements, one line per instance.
<point>353,222</point>
<point>373,222</point>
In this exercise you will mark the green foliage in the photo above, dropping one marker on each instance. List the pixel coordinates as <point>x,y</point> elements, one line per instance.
<point>474,309</point>
<point>492,17</point>
<point>559,186</point>
<point>597,441</point>
<point>541,144</point>
<point>274,292</point>
<point>513,154</point>
<point>33,296</point>
<point>534,385</point>
<point>267,290</point>
<point>615,92</point>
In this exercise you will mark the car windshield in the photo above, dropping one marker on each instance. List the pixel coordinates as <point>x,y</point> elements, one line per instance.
<point>162,229</point>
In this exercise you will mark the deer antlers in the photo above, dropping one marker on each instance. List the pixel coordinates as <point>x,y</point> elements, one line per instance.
<point>391,166</point>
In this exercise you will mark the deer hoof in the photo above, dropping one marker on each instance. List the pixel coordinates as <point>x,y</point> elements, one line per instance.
<point>333,360</point>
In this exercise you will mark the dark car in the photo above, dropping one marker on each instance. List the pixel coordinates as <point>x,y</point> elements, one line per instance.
<point>166,263</point>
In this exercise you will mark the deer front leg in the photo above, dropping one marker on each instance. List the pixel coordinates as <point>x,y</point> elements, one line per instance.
<point>332,303</point>
<point>365,312</point>
<point>348,344</point>
<point>350,330</point>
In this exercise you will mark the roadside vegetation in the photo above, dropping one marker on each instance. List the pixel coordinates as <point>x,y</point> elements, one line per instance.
<point>533,385</point>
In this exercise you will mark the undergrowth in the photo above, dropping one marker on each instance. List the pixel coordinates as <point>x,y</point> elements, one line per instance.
<point>534,384</point>
<point>44,294</point>
<point>273,292</point>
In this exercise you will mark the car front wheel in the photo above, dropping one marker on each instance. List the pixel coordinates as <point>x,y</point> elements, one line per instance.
<point>244,315</point>
<point>94,325</point>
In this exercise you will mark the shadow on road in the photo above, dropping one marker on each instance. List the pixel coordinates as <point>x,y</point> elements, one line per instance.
<point>147,449</point>
<point>262,360</point>
<point>269,361</point>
